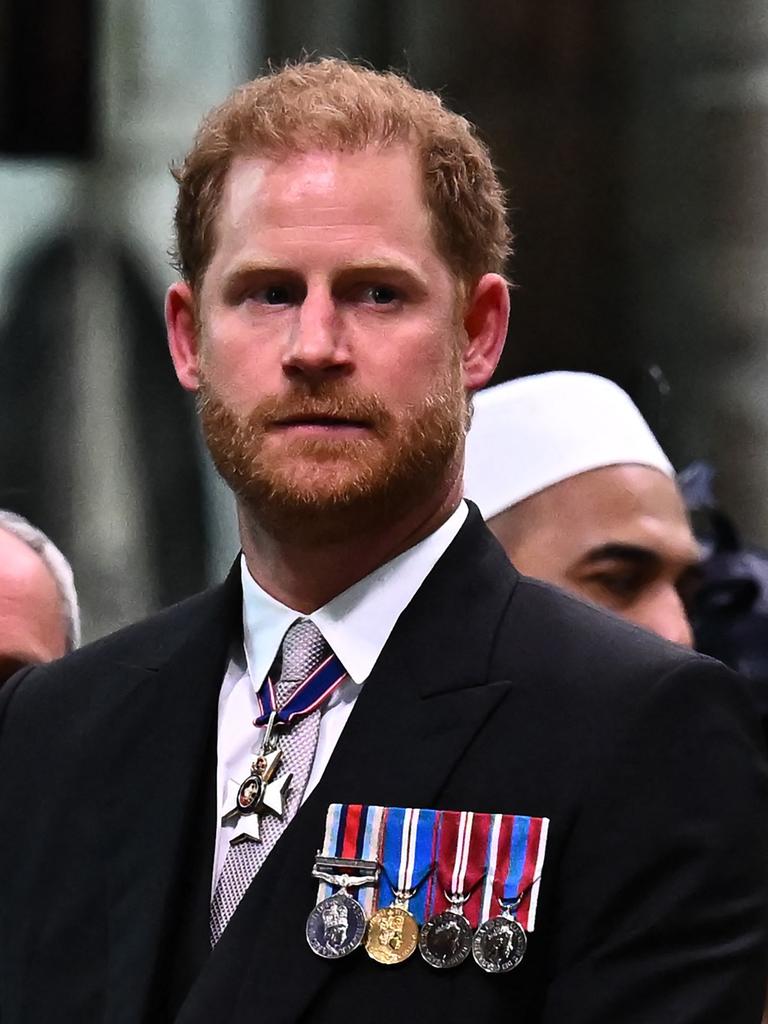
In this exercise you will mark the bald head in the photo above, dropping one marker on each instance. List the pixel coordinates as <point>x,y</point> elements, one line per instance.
<point>33,623</point>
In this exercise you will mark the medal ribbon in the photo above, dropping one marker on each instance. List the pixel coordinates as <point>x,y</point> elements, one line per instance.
<point>503,851</point>
<point>407,856</point>
<point>461,861</point>
<point>315,689</point>
<point>352,831</point>
<point>516,848</point>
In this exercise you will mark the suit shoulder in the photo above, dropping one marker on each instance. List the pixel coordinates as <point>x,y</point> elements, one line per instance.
<point>569,639</point>
<point>152,640</point>
<point>606,689</point>
<point>146,645</point>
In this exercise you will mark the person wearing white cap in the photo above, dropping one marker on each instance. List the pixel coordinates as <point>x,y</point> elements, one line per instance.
<point>579,492</point>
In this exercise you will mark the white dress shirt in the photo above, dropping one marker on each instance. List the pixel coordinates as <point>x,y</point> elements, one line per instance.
<point>357,623</point>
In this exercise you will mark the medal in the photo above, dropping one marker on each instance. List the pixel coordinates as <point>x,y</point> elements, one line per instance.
<point>446,938</point>
<point>349,858</point>
<point>499,943</point>
<point>352,832</point>
<point>407,856</point>
<point>515,858</point>
<point>392,934</point>
<point>516,848</point>
<point>260,793</point>
<point>336,926</point>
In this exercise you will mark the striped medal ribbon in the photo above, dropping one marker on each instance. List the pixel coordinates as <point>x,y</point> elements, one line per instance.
<point>352,832</point>
<point>446,938</point>
<point>407,857</point>
<point>305,699</point>
<point>348,860</point>
<point>516,849</point>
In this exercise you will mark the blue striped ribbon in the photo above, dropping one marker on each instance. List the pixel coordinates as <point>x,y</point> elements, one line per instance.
<point>517,853</point>
<point>420,847</point>
<point>313,692</point>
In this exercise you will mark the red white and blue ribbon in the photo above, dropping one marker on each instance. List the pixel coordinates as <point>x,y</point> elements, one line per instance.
<point>485,856</point>
<point>353,832</point>
<point>408,850</point>
<point>307,697</point>
<point>515,858</point>
<point>461,862</point>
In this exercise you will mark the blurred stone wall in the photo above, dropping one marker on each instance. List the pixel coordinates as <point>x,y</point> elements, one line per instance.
<point>697,230</point>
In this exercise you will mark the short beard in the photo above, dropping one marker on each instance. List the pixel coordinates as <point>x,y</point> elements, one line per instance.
<point>313,489</point>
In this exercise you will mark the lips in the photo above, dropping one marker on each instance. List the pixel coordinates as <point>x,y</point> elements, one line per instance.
<point>318,420</point>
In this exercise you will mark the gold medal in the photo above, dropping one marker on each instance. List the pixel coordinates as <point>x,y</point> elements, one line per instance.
<point>393,935</point>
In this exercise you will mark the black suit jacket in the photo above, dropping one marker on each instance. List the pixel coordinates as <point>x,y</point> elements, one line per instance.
<point>493,693</point>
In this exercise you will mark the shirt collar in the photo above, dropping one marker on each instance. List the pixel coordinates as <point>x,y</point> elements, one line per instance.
<point>357,623</point>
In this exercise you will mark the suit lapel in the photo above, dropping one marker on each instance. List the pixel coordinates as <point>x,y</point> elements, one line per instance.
<point>422,706</point>
<point>160,871</point>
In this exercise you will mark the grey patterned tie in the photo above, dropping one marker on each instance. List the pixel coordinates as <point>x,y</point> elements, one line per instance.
<point>303,649</point>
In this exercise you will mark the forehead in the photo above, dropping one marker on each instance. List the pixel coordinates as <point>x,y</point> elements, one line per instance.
<point>20,566</point>
<point>373,196</point>
<point>30,609</point>
<point>634,505</point>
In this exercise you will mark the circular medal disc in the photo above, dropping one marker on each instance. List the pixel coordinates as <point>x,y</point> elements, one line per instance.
<point>392,935</point>
<point>249,794</point>
<point>499,945</point>
<point>336,927</point>
<point>446,939</point>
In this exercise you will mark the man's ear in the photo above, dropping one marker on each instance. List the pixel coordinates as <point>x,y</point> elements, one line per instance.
<point>485,324</point>
<point>183,341</point>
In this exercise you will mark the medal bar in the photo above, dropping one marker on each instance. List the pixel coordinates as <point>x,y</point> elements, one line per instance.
<point>470,879</point>
<point>336,864</point>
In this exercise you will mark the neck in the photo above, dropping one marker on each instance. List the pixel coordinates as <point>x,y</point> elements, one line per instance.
<point>305,575</point>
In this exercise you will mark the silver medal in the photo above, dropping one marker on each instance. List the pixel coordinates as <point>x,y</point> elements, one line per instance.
<point>336,927</point>
<point>446,939</point>
<point>499,943</point>
<point>261,793</point>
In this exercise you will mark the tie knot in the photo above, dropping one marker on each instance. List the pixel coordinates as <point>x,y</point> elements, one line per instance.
<point>302,651</point>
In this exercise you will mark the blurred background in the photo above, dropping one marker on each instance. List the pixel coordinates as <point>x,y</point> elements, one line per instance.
<point>633,139</point>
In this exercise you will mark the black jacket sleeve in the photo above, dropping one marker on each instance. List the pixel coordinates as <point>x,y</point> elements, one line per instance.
<point>666,921</point>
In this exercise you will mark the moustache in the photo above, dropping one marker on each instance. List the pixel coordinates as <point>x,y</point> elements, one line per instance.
<point>330,403</point>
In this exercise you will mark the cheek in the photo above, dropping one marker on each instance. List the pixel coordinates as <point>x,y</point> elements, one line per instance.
<point>238,361</point>
<point>406,358</point>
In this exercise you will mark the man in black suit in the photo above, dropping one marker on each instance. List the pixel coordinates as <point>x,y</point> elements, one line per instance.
<point>341,239</point>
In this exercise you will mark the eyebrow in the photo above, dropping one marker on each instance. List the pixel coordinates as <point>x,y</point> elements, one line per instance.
<point>398,268</point>
<point>622,553</point>
<point>633,554</point>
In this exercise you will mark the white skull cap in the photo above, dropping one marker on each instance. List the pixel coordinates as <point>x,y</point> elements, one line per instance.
<point>530,433</point>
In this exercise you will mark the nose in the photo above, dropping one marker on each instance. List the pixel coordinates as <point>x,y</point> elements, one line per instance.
<point>316,346</point>
<point>665,614</point>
